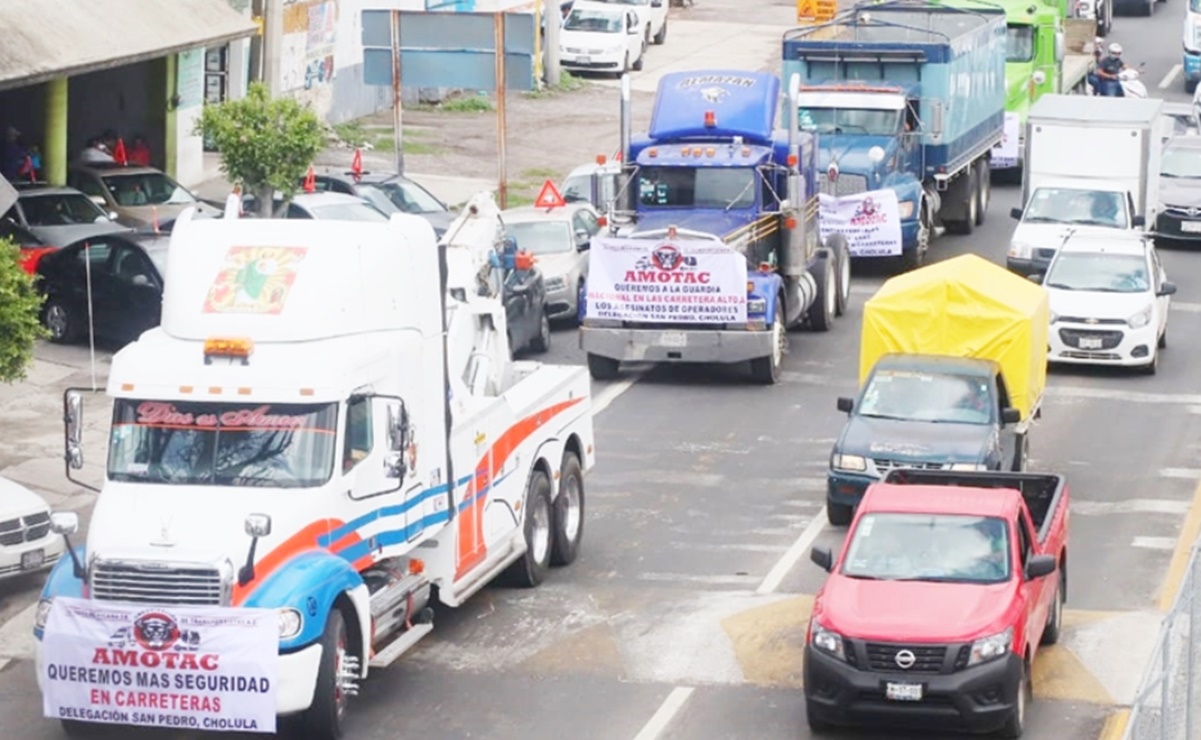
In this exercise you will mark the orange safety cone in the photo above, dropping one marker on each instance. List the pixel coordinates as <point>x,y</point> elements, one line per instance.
<point>119,155</point>
<point>356,165</point>
<point>310,181</point>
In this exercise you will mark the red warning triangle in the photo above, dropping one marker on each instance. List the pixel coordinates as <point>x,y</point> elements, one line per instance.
<point>549,196</point>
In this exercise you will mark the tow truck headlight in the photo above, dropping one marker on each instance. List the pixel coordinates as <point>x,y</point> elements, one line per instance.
<point>827,641</point>
<point>42,614</point>
<point>1140,319</point>
<point>290,623</point>
<point>961,467</point>
<point>991,648</point>
<point>756,305</point>
<point>854,463</point>
<point>906,209</point>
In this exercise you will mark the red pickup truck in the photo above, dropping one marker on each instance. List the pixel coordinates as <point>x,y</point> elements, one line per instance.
<point>946,585</point>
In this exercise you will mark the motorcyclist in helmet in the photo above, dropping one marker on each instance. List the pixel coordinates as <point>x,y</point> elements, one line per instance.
<point>1108,70</point>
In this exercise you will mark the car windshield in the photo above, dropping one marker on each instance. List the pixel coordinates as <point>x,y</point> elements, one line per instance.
<point>1073,206</point>
<point>696,187</point>
<point>1181,161</point>
<point>219,444</point>
<point>1104,273</point>
<point>577,188</point>
<point>542,237</point>
<point>406,197</point>
<point>868,122</point>
<point>926,396</point>
<point>61,209</point>
<point>146,189</point>
<point>347,212</point>
<point>1019,44</point>
<point>1194,6</point>
<point>593,21</point>
<point>950,548</point>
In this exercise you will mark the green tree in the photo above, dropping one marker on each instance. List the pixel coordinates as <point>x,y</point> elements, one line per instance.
<point>20,306</point>
<point>266,145</point>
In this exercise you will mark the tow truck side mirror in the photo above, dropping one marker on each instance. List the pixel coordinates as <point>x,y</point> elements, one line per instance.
<point>73,427</point>
<point>822,557</point>
<point>1010,416</point>
<point>846,405</point>
<point>1040,566</point>
<point>1015,214</point>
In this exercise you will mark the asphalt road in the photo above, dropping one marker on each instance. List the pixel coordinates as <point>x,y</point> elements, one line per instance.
<point>684,616</point>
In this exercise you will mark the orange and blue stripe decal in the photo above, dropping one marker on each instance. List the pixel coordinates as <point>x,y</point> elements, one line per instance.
<point>343,539</point>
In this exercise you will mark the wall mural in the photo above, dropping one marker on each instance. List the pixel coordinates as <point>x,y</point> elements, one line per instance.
<point>307,53</point>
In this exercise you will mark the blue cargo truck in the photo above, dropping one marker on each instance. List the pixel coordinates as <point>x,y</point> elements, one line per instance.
<point>910,96</point>
<point>714,166</point>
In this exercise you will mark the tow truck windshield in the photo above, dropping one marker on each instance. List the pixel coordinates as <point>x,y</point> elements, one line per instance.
<point>924,396</point>
<point>221,444</point>
<point>948,548</point>
<point>697,187</point>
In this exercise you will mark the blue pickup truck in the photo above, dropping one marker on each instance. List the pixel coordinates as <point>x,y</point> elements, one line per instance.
<point>908,96</point>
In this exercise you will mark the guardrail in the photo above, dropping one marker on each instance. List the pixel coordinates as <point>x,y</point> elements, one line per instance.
<point>1168,703</point>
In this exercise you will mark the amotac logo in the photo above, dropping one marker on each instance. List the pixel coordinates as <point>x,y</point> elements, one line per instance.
<point>867,213</point>
<point>667,264</point>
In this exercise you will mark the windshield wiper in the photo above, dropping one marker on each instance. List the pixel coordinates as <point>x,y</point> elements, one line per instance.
<point>1041,220</point>
<point>868,578</point>
<point>1060,286</point>
<point>738,197</point>
<point>1092,222</point>
<point>886,416</point>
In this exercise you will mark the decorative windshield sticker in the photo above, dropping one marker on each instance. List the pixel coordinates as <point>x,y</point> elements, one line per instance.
<point>254,280</point>
<point>158,413</point>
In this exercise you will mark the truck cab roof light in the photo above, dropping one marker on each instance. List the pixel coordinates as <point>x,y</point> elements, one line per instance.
<point>601,159</point>
<point>746,151</point>
<point>710,152</point>
<point>684,152</point>
<point>696,151</point>
<point>652,152</point>
<point>228,347</point>
<point>710,119</point>
<point>793,160</point>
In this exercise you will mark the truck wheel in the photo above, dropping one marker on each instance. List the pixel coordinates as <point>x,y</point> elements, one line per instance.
<point>541,343</point>
<point>984,191</point>
<point>1016,724</point>
<point>825,303</point>
<point>529,571</point>
<point>602,368</point>
<point>1022,456</point>
<point>914,258</point>
<point>323,720</point>
<point>1105,25</point>
<point>839,515</point>
<point>1055,617</point>
<point>662,35</point>
<point>568,512</point>
<point>766,370</point>
<point>1190,86</point>
<point>837,244</point>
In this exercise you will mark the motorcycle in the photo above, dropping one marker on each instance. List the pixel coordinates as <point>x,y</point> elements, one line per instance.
<point>1131,85</point>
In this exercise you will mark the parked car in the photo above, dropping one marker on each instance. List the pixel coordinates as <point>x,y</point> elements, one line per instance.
<point>1179,216</point>
<point>127,274</point>
<point>32,248</point>
<point>139,196</point>
<point>324,206</point>
<point>525,311</point>
<point>652,14</point>
<point>559,239</point>
<point>390,193</point>
<point>26,543</point>
<point>601,37</point>
<point>577,187</point>
<point>60,216</point>
<point>1110,300</point>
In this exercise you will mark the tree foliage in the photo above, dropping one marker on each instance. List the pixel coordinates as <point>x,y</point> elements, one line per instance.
<point>20,307</point>
<point>266,145</point>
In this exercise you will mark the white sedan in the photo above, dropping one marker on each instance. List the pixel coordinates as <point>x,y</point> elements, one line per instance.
<point>26,543</point>
<point>601,37</point>
<point>1109,300</point>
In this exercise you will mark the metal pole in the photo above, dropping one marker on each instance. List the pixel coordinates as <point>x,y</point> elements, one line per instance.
<point>539,16</point>
<point>397,102</point>
<point>273,35</point>
<point>256,43</point>
<point>87,268</point>
<point>554,19</point>
<point>1191,585</point>
<point>503,177</point>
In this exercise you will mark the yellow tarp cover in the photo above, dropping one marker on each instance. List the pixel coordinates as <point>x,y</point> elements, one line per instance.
<point>963,307</point>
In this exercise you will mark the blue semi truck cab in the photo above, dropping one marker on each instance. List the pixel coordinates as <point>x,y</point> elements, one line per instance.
<point>714,165</point>
<point>907,96</point>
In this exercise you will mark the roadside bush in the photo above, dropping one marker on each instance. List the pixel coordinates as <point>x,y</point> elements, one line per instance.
<point>20,305</point>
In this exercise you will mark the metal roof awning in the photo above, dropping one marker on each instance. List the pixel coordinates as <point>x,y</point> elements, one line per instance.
<point>49,39</point>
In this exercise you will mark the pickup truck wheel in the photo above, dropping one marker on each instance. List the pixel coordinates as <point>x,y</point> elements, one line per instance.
<point>541,343</point>
<point>766,370</point>
<point>568,512</point>
<point>1016,724</point>
<point>984,183</point>
<point>825,303</point>
<point>531,568</point>
<point>662,35</point>
<point>1055,616</point>
<point>323,720</point>
<point>603,368</point>
<point>839,515</point>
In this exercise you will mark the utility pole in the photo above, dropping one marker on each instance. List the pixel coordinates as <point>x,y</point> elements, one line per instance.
<point>273,33</point>
<point>256,42</point>
<point>554,20</point>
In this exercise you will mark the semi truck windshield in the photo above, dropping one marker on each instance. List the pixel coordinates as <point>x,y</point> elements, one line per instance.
<point>1019,44</point>
<point>221,444</point>
<point>697,187</point>
<point>851,121</point>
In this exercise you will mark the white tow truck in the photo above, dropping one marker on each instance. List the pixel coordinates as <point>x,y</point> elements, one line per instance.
<point>326,431</point>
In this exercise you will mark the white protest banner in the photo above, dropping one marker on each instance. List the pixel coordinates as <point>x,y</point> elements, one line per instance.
<point>1005,154</point>
<point>679,281</point>
<point>204,668</point>
<point>870,222</point>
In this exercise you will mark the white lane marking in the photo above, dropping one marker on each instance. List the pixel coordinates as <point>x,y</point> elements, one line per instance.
<point>685,577</point>
<point>1107,394</point>
<point>1154,543</point>
<point>776,575</point>
<point>601,400</point>
<point>1183,473</point>
<point>1170,77</point>
<point>1187,307</point>
<point>1130,506</point>
<point>722,547</point>
<point>666,712</point>
<point>4,663</point>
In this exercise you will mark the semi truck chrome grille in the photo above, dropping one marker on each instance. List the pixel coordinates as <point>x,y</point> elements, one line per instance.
<point>926,658</point>
<point>1086,339</point>
<point>844,185</point>
<point>145,583</point>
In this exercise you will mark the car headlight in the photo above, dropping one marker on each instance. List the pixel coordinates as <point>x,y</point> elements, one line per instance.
<point>1140,319</point>
<point>991,648</point>
<point>963,467</point>
<point>906,209</point>
<point>42,614</point>
<point>290,623</point>
<point>556,283</point>
<point>827,641</point>
<point>756,305</point>
<point>848,462</point>
<point>1021,250</point>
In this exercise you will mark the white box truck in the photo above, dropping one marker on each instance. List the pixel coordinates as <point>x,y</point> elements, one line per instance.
<point>1091,163</point>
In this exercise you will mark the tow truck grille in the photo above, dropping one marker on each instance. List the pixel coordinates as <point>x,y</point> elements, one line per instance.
<point>844,185</point>
<point>140,583</point>
<point>927,658</point>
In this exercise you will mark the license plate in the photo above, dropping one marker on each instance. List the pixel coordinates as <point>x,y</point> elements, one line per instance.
<point>32,559</point>
<point>673,339</point>
<point>1090,343</point>
<point>584,60</point>
<point>1192,227</point>
<point>903,691</point>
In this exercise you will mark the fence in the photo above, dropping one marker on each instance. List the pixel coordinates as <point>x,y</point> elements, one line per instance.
<point>1168,703</point>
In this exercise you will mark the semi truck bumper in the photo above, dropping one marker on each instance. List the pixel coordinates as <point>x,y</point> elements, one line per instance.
<point>653,345</point>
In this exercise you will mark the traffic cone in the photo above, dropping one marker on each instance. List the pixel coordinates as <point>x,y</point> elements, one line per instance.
<point>119,153</point>
<point>310,181</point>
<point>356,165</point>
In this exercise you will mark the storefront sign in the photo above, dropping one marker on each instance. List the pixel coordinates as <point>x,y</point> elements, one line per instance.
<point>204,668</point>
<point>189,78</point>
<point>689,281</point>
<point>870,222</point>
<point>1005,154</point>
